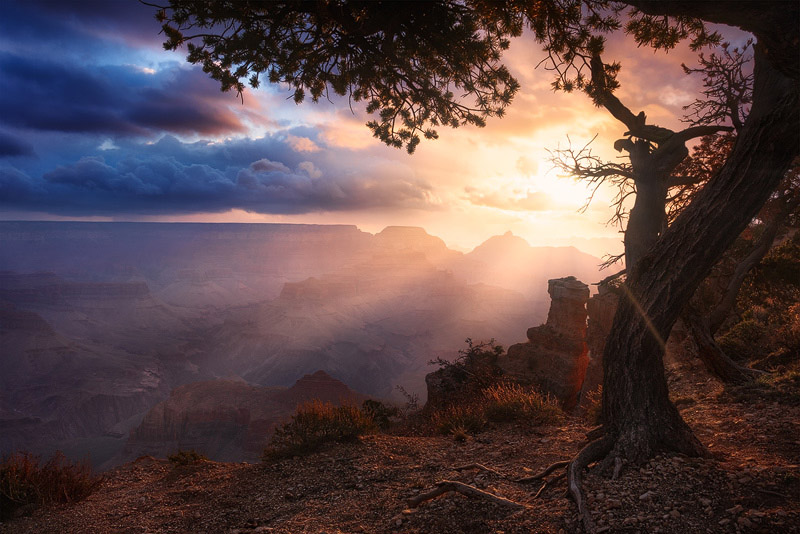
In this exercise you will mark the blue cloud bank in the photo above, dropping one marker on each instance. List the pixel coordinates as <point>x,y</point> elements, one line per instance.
<point>95,120</point>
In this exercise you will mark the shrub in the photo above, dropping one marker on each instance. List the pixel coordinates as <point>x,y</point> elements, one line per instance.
<point>512,402</point>
<point>315,423</point>
<point>190,457</point>
<point>380,413</point>
<point>741,341</point>
<point>782,387</point>
<point>27,482</point>
<point>412,401</point>
<point>594,405</point>
<point>474,369</point>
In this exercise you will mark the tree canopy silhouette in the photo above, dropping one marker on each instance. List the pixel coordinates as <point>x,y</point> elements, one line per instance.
<point>420,65</point>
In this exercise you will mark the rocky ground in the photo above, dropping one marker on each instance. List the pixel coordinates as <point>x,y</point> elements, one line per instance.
<point>752,484</point>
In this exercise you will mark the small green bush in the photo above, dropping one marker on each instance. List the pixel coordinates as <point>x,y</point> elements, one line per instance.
<point>190,457</point>
<point>474,369</point>
<point>507,402</point>
<point>315,423</point>
<point>27,482</point>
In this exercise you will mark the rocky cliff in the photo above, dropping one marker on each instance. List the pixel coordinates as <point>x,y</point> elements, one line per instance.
<point>556,355</point>
<point>601,309</point>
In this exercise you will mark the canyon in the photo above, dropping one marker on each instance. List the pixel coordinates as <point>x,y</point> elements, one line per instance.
<point>101,322</point>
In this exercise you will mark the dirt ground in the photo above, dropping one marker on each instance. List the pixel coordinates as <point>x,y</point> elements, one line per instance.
<point>752,484</point>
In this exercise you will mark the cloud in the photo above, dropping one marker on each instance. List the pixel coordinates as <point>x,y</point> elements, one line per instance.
<point>117,100</point>
<point>171,177</point>
<point>11,146</point>
<point>302,144</point>
<point>532,201</point>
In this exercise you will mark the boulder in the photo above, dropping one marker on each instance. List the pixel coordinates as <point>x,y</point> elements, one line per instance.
<point>556,355</point>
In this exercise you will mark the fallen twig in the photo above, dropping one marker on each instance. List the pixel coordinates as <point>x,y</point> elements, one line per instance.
<point>773,493</point>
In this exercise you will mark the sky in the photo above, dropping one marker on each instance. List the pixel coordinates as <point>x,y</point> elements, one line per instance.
<point>98,122</point>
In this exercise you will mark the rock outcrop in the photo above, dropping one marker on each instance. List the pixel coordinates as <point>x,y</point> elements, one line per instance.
<point>556,355</point>
<point>601,309</point>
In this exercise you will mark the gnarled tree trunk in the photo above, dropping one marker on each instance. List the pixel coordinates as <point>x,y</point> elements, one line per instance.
<point>640,419</point>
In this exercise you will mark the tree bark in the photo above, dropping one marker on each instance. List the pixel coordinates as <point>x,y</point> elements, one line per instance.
<point>637,412</point>
<point>646,218</point>
<point>712,355</point>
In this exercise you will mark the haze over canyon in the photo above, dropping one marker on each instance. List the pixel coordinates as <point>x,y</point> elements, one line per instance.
<point>220,329</point>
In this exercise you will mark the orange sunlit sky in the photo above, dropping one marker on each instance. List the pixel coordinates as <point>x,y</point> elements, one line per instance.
<point>97,122</point>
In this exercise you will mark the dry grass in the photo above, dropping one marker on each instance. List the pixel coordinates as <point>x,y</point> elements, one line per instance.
<point>500,403</point>
<point>26,482</point>
<point>512,402</point>
<point>315,423</point>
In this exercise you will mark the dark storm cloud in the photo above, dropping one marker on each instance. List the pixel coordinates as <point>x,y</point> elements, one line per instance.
<point>152,182</point>
<point>11,146</point>
<point>78,24</point>
<point>46,95</point>
<point>72,67</point>
<point>84,90</point>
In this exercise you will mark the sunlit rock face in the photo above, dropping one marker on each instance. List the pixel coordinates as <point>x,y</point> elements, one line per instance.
<point>601,309</point>
<point>227,420</point>
<point>556,355</point>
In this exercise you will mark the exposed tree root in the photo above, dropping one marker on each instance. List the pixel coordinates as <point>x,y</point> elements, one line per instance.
<point>596,433</point>
<point>572,469</point>
<point>589,454</point>
<point>547,483</point>
<point>617,468</point>
<point>465,489</point>
<point>542,474</point>
<point>480,467</point>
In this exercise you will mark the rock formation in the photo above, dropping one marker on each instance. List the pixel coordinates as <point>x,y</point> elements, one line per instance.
<point>601,309</point>
<point>556,355</point>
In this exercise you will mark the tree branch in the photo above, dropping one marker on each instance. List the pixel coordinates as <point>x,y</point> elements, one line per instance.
<point>699,131</point>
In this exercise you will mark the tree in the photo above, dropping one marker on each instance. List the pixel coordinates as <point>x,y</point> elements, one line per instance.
<point>411,61</point>
<point>663,179</point>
